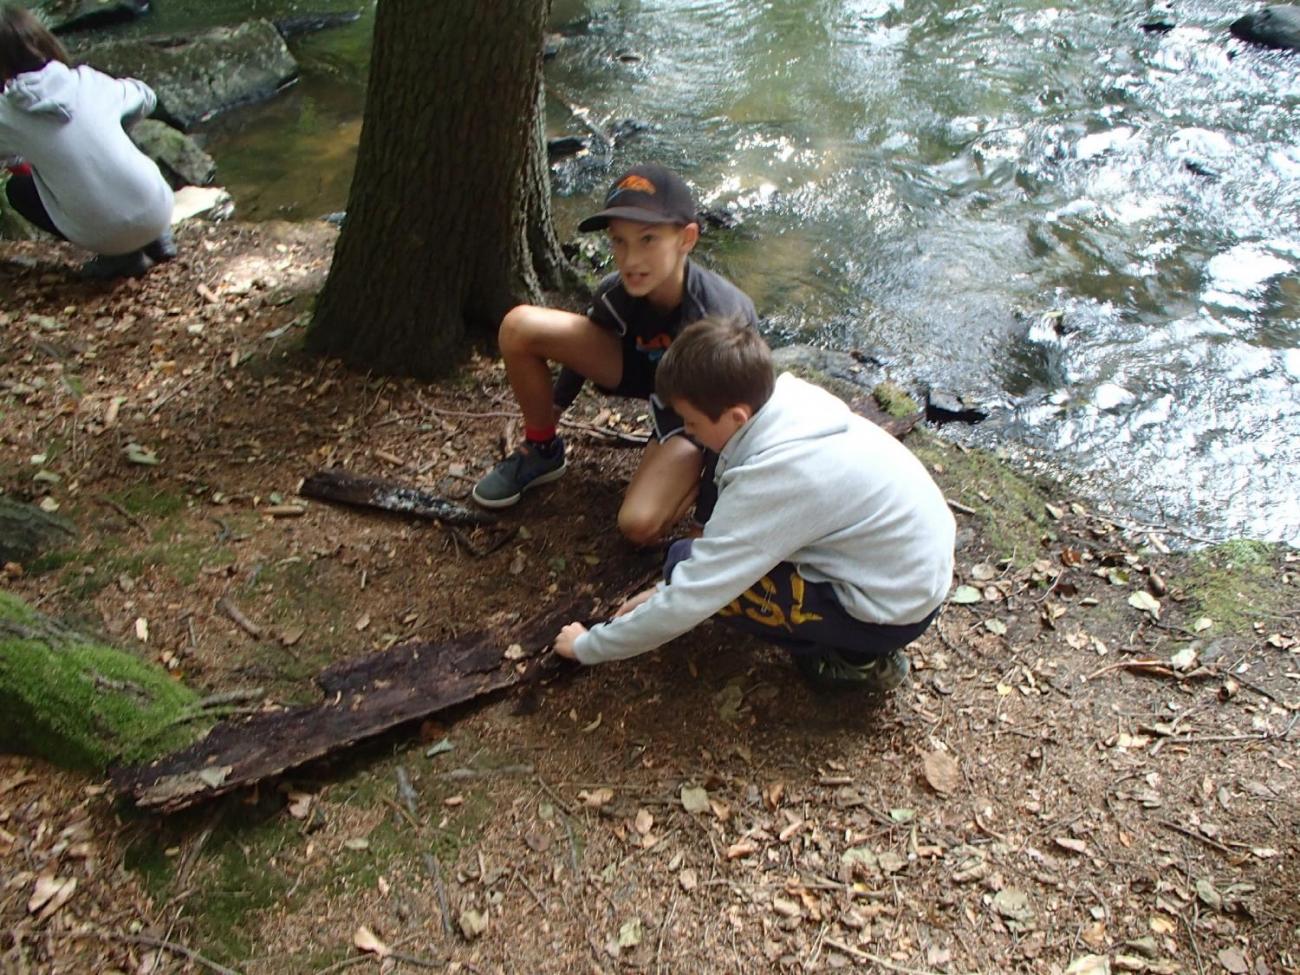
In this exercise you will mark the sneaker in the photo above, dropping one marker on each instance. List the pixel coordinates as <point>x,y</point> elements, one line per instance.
<point>108,266</point>
<point>525,468</point>
<point>163,249</point>
<point>830,671</point>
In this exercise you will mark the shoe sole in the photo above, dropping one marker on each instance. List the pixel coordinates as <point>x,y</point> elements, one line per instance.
<point>513,500</point>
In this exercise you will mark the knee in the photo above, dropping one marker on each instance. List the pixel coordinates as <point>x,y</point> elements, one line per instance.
<point>516,329</point>
<point>640,527</point>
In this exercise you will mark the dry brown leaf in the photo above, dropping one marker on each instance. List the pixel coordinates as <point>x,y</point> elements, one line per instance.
<point>942,772</point>
<point>644,821</point>
<point>365,940</point>
<point>741,848</point>
<point>596,798</point>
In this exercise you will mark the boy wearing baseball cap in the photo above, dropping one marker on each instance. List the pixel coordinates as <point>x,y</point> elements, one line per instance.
<point>650,219</point>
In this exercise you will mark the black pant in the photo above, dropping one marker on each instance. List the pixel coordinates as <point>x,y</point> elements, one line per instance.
<point>23,197</point>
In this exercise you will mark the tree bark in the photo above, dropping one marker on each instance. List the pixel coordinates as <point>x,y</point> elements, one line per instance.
<point>449,220</point>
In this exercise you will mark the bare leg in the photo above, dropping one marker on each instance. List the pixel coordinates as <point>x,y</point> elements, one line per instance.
<point>662,490</point>
<point>532,337</point>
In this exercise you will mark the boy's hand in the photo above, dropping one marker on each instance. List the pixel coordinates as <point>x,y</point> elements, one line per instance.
<point>568,636</point>
<point>632,602</point>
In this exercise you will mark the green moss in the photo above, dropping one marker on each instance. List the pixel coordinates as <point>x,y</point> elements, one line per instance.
<point>82,704</point>
<point>895,400</point>
<point>1235,583</point>
<point>144,499</point>
<point>237,876</point>
<point>1011,508</point>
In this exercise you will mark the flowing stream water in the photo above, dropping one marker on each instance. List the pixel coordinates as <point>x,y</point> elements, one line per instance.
<point>1039,205</point>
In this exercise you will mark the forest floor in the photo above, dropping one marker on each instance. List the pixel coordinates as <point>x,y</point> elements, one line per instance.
<point>1093,768</point>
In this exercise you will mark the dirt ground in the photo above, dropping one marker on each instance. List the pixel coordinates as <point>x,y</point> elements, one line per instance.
<point>1093,768</point>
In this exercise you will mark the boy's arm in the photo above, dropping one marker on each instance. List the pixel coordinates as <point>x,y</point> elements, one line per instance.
<point>138,100</point>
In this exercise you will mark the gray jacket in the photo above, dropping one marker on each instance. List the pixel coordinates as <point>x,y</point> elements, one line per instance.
<point>810,482</point>
<point>98,188</point>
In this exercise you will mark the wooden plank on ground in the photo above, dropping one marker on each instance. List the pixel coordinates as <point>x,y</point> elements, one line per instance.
<point>336,484</point>
<point>363,697</point>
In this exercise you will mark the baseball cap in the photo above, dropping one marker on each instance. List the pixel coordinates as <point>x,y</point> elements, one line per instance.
<point>650,194</point>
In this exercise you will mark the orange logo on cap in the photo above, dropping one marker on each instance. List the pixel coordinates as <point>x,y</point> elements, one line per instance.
<point>638,183</point>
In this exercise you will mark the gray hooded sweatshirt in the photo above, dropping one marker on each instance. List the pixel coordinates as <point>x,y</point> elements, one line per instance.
<point>98,188</point>
<point>810,482</point>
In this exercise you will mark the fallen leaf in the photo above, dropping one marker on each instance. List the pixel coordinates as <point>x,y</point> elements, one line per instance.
<point>1013,904</point>
<point>142,629</point>
<point>629,934</point>
<point>1231,959</point>
<point>1162,925</point>
<point>596,798</point>
<point>47,885</point>
<point>1184,659</point>
<point>140,455</point>
<point>983,572</point>
<point>357,843</point>
<point>1071,844</point>
<point>644,821</point>
<point>299,804</point>
<point>786,908</point>
<point>592,726</point>
<point>1145,602</point>
<point>995,626</point>
<point>1089,965</point>
<point>687,879</point>
<point>473,924</point>
<point>741,848</point>
<point>942,772</point>
<point>965,595</point>
<point>364,939</point>
<point>695,799</point>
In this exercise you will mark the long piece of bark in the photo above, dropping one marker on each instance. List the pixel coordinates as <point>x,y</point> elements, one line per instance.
<point>363,697</point>
<point>335,484</point>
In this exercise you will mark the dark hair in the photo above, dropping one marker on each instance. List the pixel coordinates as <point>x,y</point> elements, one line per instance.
<point>25,43</point>
<point>715,364</point>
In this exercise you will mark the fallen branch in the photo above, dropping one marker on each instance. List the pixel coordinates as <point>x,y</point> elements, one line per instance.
<point>1192,834</point>
<point>248,626</point>
<point>110,503</point>
<point>960,508</point>
<point>166,945</point>
<point>876,959</point>
<point>1158,667</point>
<point>440,890</point>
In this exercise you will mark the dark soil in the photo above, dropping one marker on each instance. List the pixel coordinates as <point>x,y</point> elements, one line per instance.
<point>1093,768</point>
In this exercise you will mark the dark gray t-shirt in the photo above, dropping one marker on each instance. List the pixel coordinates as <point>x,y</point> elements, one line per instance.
<point>647,333</point>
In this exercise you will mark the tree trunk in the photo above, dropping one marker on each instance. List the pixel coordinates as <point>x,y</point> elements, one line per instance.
<point>449,221</point>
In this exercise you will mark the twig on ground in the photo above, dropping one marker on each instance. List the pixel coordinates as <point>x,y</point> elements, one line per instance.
<point>960,508</point>
<point>110,503</point>
<point>1192,834</point>
<point>243,622</point>
<point>1146,666</point>
<point>174,947</point>
<point>529,887</point>
<point>392,804</point>
<point>668,919</point>
<point>876,959</point>
<point>440,890</point>
<point>406,791</point>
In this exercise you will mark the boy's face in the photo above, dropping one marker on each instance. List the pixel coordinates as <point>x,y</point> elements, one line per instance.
<point>713,434</point>
<point>650,258</point>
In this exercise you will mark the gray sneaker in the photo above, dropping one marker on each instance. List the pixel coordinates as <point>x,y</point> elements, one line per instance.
<point>830,671</point>
<point>525,468</point>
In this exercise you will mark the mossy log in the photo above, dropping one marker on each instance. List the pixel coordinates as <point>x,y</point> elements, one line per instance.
<point>27,531</point>
<point>79,703</point>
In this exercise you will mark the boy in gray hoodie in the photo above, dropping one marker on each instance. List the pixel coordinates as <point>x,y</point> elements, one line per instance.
<point>829,537</point>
